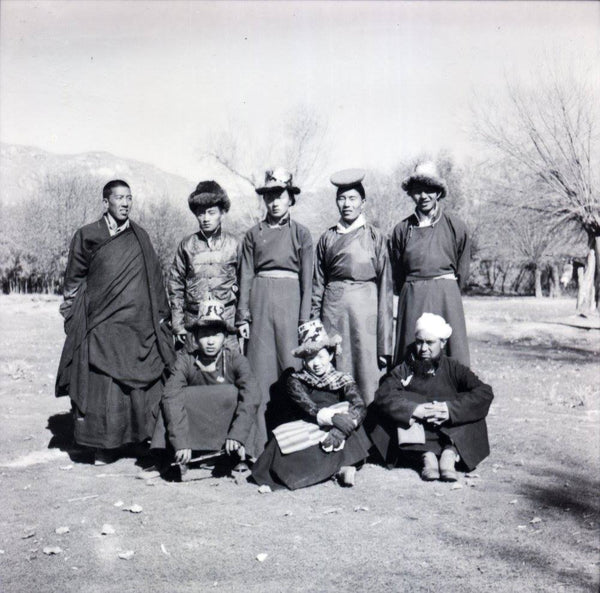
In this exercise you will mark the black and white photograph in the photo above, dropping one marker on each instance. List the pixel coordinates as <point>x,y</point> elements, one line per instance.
<point>300,296</point>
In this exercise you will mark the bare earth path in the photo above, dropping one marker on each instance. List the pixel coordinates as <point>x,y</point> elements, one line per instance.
<point>526,521</point>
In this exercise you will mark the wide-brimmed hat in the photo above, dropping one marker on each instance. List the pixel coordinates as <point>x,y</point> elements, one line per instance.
<point>278,178</point>
<point>207,194</point>
<point>210,314</point>
<point>427,174</point>
<point>313,337</point>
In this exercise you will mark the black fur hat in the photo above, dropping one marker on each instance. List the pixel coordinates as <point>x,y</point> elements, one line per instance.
<point>207,194</point>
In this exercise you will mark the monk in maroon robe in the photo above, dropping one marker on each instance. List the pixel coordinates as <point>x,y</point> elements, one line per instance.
<point>118,342</point>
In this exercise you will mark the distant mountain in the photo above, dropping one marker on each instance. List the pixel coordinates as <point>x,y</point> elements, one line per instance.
<point>23,170</point>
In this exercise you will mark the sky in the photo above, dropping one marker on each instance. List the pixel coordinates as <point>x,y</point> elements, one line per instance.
<point>152,80</point>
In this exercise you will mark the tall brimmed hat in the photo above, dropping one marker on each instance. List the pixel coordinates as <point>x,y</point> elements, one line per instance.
<point>313,337</point>
<point>278,178</point>
<point>427,174</point>
<point>207,194</point>
<point>211,315</point>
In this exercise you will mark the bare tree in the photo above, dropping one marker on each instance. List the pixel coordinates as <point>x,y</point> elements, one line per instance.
<point>548,132</point>
<point>298,142</point>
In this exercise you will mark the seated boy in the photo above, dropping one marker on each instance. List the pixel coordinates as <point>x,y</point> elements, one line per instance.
<point>205,262</point>
<point>210,401</point>
<point>432,406</point>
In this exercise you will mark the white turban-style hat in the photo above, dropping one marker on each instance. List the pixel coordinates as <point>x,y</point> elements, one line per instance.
<point>433,324</point>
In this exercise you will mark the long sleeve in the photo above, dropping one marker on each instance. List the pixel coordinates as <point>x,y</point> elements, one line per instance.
<point>177,276</point>
<point>395,247</point>
<point>298,393</point>
<point>246,275</point>
<point>474,397</point>
<point>357,409</point>
<point>248,399</point>
<point>464,259</point>
<point>319,280</point>
<point>173,402</point>
<point>75,274</point>
<point>306,275</point>
<point>394,401</point>
<point>385,299</point>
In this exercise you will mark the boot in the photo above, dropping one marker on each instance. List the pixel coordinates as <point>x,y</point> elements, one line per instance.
<point>431,469</point>
<point>346,476</point>
<point>448,460</point>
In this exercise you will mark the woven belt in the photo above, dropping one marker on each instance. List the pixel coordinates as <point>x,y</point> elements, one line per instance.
<point>277,274</point>
<point>442,277</point>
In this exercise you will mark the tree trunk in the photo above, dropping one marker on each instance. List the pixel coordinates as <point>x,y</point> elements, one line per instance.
<point>538,282</point>
<point>587,277</point>
<point>555,289</point>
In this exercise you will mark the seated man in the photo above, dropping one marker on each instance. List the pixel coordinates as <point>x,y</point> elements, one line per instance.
<point>210,401</point>
<point>433,405</point>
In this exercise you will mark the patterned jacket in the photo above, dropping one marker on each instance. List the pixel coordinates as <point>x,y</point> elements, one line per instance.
<point>203,269</point>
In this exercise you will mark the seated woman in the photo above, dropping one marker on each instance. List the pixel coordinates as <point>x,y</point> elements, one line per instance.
<point>210,401</point>
<point>327,438</point>
<point>432,405</point>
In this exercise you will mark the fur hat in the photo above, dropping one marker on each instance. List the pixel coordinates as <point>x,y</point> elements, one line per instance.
<point>313,337</point>
<point>207,194</point>
<point>278,178</point>
<point>211,315</point>
<point>427,174</point>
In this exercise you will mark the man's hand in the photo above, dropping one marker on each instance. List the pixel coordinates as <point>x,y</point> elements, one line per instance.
<point>232,446</point>
<point>440,413</point>
<point>423,411</point>
<point>244,330</point>
<point>180,338</point>
<point>183,456</point>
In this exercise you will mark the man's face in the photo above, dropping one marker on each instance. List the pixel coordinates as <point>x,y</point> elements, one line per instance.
<point>209,219</point>
<point>428,346</point>
<point>425,197</point>
<point>278,203</point>
<point>350,204</point>
<point>210,340</point>
<point>118,203</point>
<point>319,363</point>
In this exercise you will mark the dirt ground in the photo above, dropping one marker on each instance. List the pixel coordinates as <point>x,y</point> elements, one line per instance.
<point>526,520</point>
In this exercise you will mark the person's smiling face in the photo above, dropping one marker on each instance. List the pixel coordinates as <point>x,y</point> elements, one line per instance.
<point>319,363</point>
<point>425,197</point>
<point>350,204</point>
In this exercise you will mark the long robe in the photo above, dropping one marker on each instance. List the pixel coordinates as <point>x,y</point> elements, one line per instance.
<point>353,296</point>
<point>312,465</point>
<point>117,345</point>
<point>419,256</point>
<point>274,307</point>
<point>204,408</point>
<point>468,400</point>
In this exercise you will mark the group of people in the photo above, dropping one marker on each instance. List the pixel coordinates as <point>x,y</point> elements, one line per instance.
<point>277,357</point>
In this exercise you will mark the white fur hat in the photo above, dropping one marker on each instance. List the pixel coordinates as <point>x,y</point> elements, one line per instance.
<point>433,324</point>
<point>427,174</point>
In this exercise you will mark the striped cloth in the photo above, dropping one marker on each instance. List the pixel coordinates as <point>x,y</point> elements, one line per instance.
<point>300,435</point>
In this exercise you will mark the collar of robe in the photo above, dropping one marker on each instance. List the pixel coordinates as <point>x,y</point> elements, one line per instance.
<point>356,224</point>
<point>113,225</point>
<point>285,220</point>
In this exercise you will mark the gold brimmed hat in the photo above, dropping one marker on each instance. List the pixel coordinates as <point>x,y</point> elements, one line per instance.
<point>313,337</point>
<point>211,315</point>
<point>427,174</point>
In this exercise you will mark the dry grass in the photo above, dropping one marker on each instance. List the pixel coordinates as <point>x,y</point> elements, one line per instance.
<point>528,522</point>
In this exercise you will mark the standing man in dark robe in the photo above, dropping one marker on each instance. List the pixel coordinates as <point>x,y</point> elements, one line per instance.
<point>118,342</point>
